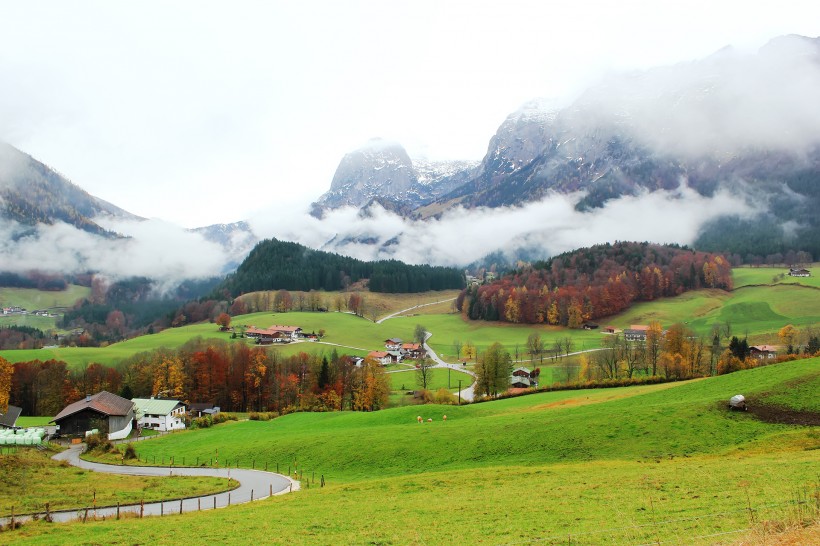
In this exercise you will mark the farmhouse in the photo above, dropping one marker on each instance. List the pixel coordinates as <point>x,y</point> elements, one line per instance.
<point>393,344</point>
<point>522,378</point>
<point>799,272</point>
<point>636,332</point>
<point>382,357</point>
<point>161,415</point>
<point>763,352</point>
<point>111,414</point>
<point>413,351</point>
<point>274,334</point>
<point>9,419</point>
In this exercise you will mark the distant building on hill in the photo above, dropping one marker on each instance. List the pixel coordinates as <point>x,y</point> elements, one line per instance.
<point>801,272</point>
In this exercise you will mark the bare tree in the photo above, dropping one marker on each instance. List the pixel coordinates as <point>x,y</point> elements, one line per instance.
<point>424,372</point>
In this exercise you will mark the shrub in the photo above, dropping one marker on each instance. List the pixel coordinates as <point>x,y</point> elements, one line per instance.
<point>97,442</point>
<point>130,452</point>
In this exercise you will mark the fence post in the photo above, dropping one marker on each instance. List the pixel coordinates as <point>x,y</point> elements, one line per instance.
<point>85,515</point>
<point>214,502</point>
<point>229,499</point>
<point>251,495</point>
<point>199,504</point>
<point>161,508</point>
<point>118,509</point>
<point>180,506</point>
<point>12,516</point>
<point>142,507</point>
<point>270,492</point>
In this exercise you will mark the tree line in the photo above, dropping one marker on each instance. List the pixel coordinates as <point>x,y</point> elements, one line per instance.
<point>594,282</point>
<point>233,376</point>
<point>274,265</point>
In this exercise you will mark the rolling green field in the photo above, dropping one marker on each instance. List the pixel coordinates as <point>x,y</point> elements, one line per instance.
<point>662,463</point>
<point>746,276</point>
<point>759,311</point>
<point>32,299</point>
<point>32,479</point>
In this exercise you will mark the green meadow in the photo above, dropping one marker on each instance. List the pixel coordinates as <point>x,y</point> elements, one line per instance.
<point>651,464</point>
<point>748,276</point>
<point>755,308</point>
<point>32,299</point>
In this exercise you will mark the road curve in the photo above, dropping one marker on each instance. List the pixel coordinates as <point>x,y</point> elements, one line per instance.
<point>466,393</point>
<point>251,485</point>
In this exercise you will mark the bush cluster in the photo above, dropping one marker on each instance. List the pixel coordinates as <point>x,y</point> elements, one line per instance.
<point>263,415</point>
<point>208,421</point>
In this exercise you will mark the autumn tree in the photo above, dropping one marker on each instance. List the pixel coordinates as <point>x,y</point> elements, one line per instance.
<point>788,336</point>
<point>223,321</point>
<point>653,345</point>
<point>535,345</point>
<point>493,370</point>
<point>6,372</point>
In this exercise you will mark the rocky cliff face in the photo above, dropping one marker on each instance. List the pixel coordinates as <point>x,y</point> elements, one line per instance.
<point>382,172</point>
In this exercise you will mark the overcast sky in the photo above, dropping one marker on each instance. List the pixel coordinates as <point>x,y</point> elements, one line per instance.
<point>200,113</point>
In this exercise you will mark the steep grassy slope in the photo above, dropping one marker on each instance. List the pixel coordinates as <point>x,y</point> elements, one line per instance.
<point>664,463</point>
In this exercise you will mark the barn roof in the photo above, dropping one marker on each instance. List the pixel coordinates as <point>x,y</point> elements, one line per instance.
<point>103,402</point>
<point>9,418</point>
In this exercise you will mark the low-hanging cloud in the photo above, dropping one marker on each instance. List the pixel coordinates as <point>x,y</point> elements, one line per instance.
<point>729,103</point>
<point>164,252</point>
<point>461,236</point>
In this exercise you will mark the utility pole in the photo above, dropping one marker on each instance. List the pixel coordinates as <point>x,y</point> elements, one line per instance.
<point>448,377</point>
<point>459,392</point>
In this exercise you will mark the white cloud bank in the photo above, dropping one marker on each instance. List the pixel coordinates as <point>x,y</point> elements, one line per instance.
<point>462,236</point>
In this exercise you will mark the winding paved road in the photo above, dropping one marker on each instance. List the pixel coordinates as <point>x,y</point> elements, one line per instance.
<point>252,485</point>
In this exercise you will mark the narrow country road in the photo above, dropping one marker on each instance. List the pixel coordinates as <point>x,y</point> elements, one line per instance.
<point>251,485</point>
<point>465,393</point>
<point>397,313</point>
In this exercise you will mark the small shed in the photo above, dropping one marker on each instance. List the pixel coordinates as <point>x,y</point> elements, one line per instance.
<point>111,414</point>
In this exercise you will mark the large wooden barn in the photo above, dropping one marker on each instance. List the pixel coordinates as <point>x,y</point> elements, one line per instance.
<point>110,414</point>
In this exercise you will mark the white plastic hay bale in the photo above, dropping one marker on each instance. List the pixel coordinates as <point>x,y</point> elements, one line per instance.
<point>738,401</point>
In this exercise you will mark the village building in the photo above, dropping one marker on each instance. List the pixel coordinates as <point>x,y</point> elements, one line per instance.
<point>799,272</point>
<point>201,409</point>
<point>9,418</point>
<point>274,334</point>
<point>393,344</point>
<point>636,332</point>
<point>763,352</point>
<point>382,357</point>
<point>413,351</point>
<point>110,414</point>
<point>522,378</point>
<point>159,414</point>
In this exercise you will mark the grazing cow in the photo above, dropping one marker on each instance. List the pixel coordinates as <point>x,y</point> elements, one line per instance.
<point>444,418</point>
<point>430,420</point>
<point>419,419</point>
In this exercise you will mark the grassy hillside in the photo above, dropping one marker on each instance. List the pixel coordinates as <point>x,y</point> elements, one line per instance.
<point>33,299</point>
<point>759,311</point>
<point>664,463</point>
<point>745,276</point>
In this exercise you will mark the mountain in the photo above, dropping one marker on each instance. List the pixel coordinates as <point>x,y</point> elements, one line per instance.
<point>703,124</point>
<point>32,193</point>
<point>733,125</point>
<point>236,239</point>
<point>382,172</point>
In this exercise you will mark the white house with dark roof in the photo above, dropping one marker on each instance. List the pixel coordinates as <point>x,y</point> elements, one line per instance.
<point>158,414</point>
